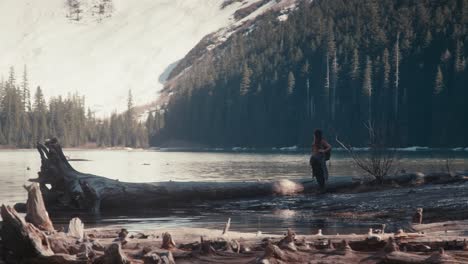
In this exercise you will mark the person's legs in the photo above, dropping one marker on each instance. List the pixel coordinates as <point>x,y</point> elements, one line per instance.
<point>318,169</point>
<point>325,169</point>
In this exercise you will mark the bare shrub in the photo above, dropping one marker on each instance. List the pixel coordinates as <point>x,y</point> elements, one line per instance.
<point>379,161</point>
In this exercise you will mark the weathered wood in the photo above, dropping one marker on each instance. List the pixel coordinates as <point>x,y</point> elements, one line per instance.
<point>167,241</point>
<point>404,258</point>
<point>363,250</point>
<point>273,252</point>
<point>26,243</point>
<point>113,255</point>
<point>440,257</point>
<point>80,191</point>
<point>22,239</point>
<point>441,226</point>
<point>288,241</point>
<point>166,258</point>
<point>151,258</point>
<point>36,212</point>
<point>391,246</point>
<point>76,228</point>
<point>122,237</point>
<point>75,190</point>
<point>56,259</point>
<point>205,247</point>
<point>344,246</point>
<point>226,227</point>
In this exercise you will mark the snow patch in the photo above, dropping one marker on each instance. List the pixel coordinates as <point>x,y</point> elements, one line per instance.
<point>360,149</point>
<point>240,149</point>
<point>292,148</point>
<point>283,17</point>
<point>102,60</point>
<point>414,148</point>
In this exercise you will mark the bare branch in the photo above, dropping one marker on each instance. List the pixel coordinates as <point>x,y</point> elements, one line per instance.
<point>379,161</point>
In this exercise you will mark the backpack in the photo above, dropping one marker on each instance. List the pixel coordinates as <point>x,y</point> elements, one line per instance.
<point>328,155</point>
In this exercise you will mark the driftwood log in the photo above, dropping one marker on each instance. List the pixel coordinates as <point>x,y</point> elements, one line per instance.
<point>22,239</point>
<point>70,189</point>
<point>433,243</point>
<point>64,188</point>
<point>25,243</point>
<point>113,255</point>
<point>33,239</point>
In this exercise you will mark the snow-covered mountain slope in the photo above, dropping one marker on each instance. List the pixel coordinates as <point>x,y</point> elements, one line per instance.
<point>103,59</point>
<point>245,19</point>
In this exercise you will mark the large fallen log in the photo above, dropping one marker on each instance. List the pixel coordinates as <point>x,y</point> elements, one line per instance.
<point>71,189</point>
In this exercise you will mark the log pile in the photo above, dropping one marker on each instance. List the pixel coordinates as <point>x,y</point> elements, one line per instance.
<point>24,242</point>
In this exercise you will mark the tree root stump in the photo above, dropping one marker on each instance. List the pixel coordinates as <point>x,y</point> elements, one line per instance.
<point>113,255</point>
<point>36,212</point>
<point>22,239</point>
<point>288,241</point>
<point>167,241</point>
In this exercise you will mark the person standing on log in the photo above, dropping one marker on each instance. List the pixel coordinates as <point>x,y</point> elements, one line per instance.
<point>321,151</point>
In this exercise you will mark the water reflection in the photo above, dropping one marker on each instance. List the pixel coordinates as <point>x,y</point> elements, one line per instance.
<point>266,215</point>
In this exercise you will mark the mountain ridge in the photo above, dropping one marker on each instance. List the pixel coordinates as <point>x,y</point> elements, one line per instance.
<point>129,46</point>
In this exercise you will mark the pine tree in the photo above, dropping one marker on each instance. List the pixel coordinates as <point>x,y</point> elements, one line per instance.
<point>2,137</point>
<point>129,121</point>
<point>367,85</point>
<point>245,81</point>
<point>386,68</point>
<point>427,39</point>
<point>11,78</point>
<point>439,82</point>
<point>459,58</point>
<point>305,75</point>
<point>74,9</point>
<point>291,83</point>
<point>355,69</point>
<point>334,81</point>
<point>150,120</point>
<point>26,96</point>
<point>39,116</point>
<point>327,78</point>
<point>396,63</point>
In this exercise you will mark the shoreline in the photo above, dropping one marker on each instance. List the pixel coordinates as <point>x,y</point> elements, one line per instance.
<point>290,149</point>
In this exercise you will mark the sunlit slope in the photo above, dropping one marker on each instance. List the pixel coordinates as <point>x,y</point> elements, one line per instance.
<point>103,59</point>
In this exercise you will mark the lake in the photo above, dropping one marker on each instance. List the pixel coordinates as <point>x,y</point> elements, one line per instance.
<point>267,215</point>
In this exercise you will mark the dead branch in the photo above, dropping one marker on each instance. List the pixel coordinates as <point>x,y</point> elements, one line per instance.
<point>380,160</point>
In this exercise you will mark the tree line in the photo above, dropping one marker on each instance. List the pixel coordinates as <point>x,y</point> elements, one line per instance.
<point>333,64</point>
<point>25,120</point>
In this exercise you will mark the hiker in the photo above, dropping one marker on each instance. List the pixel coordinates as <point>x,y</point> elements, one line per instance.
<point>321,151</point>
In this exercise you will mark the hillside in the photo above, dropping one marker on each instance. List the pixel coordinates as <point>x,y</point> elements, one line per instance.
<point>332,64</point>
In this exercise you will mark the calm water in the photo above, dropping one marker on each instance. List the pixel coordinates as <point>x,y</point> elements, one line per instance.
<point>16,166</point>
